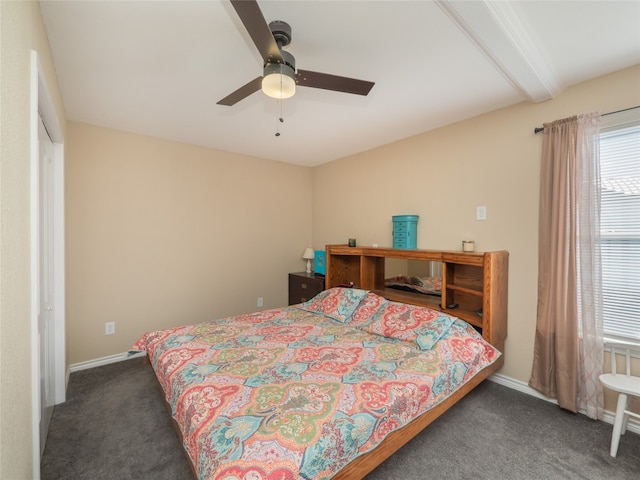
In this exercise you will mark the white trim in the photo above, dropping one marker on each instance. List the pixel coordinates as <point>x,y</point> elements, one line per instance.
<point>609,417</point>
<point>41,105</point>
<point>519,386</point>
<point>99,362</point>
<point>498,32</point>
<point>46,110</point>
<point>59,312</point>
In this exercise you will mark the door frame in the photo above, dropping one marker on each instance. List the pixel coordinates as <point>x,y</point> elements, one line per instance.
<point>41,105</point>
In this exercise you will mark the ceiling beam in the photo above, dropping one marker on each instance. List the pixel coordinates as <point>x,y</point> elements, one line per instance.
<point>498,32</point>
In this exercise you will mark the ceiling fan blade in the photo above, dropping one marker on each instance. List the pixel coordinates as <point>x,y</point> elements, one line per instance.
<point>242,93</point>
<point>258,29</point>
<point>305,78</point>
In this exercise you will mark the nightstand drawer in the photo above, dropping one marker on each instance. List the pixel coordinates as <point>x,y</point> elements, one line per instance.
<point>303,286</point>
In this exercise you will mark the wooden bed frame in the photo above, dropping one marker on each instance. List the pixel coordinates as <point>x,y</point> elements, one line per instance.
<point>364,464</point>
<point>469,279</point>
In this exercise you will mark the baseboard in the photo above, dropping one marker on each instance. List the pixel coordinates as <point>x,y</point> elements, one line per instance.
<point>520,386</point>
<point>98,362</point>
<point>608,417</point>
<point>632,425</point>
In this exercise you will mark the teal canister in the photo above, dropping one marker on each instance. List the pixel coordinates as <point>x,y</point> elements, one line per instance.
<point>405,231</point>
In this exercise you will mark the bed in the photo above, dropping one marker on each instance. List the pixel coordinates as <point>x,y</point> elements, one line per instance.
<point>324,389</point>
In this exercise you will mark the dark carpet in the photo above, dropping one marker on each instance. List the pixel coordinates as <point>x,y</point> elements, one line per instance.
<point>114,425</point>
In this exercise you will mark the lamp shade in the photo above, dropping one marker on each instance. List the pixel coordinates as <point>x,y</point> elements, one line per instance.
<point>278,81</point>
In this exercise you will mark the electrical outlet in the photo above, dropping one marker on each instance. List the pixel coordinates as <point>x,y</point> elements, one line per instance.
<point>260,301</point>
<point>110,328</point>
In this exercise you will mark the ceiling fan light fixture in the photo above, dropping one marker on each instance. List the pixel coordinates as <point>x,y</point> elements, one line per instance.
<point>279,81</point>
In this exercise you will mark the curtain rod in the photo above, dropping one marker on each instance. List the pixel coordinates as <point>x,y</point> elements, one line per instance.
<point>541,129</point>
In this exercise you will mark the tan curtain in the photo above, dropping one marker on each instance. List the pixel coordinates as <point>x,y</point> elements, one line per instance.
<point>566,367</point>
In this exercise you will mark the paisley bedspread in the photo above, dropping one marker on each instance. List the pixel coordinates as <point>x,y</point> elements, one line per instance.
<point>299,392</point>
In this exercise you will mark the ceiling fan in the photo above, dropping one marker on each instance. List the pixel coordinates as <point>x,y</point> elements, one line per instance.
<point>280,77</point>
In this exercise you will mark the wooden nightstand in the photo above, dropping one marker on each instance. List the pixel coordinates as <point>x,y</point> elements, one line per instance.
<point>304,286</point>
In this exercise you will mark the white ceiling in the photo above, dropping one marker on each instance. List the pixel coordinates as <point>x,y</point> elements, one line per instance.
<point>158,67</point>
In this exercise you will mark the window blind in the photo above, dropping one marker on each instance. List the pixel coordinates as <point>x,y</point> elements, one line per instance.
<point>620,229</point>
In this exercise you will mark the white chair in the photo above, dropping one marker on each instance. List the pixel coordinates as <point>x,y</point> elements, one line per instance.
<point>625,385</point>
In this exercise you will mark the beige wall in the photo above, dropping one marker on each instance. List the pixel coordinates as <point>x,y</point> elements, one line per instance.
<point>21,30</point>
<point>161,234</point>
<point>442,175</point>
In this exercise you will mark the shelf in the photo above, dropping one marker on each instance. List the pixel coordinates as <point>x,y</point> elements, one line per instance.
<point>472,280</point>
<point>394,295</point>
<point>467,315</point>
<point>470,291</point>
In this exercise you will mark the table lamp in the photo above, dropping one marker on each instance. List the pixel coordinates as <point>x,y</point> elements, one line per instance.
<point>308,255</point>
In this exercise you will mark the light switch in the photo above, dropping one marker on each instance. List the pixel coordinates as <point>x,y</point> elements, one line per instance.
<point>481,213</point>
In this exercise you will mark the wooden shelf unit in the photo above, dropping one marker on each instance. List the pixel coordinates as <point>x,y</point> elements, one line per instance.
<point>473,280</point>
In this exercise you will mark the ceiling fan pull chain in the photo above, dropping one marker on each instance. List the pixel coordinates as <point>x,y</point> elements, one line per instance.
<point>279,118</point>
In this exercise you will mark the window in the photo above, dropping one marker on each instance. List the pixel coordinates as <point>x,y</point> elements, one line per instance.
<point>620,225</point>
